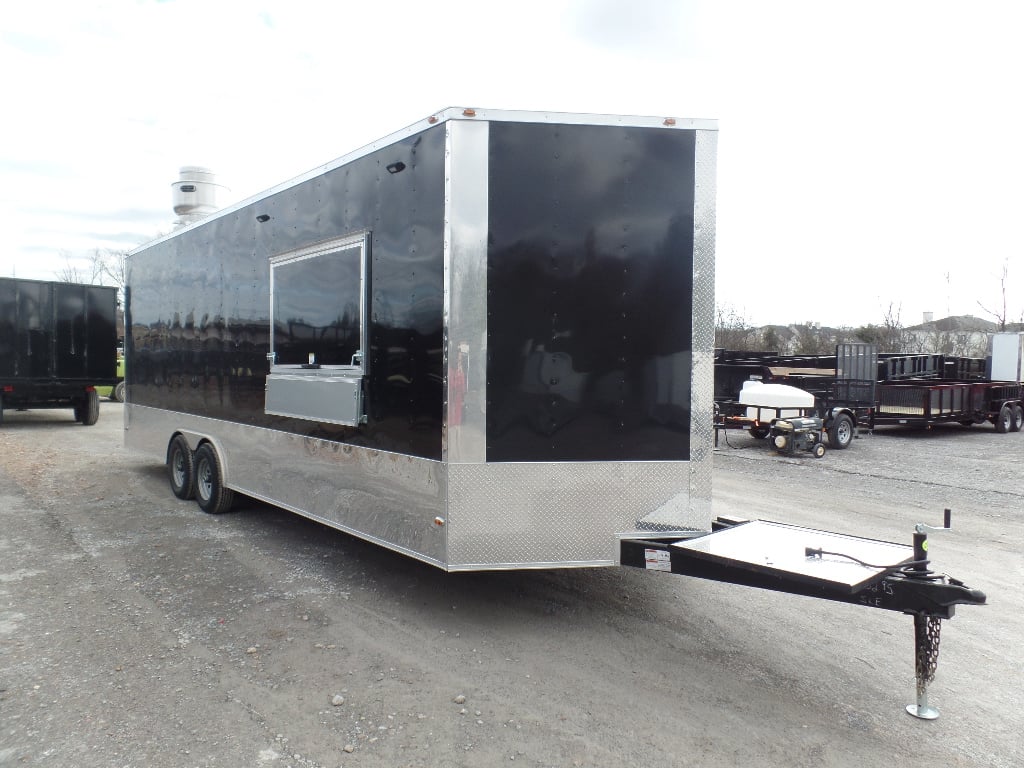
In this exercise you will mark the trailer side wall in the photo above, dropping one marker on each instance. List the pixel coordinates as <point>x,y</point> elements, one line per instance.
<point>199,306</point>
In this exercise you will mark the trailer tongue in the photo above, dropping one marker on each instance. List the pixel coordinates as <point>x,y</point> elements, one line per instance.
<point>830,566</point>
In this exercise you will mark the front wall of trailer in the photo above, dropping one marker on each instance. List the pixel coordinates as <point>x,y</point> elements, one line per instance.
<point>589,280</point>
<point>580,352</point>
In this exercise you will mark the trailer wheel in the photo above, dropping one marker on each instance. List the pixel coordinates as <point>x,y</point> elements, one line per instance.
<point>1004,421</point>
<point>88,412</point>
<point>1018,418</point>
<point>211,494</point>
<point>818,450</point>
<point>181,468</point>
<point>760,432</point>
<point>840,434</point>
<point>117,393</point>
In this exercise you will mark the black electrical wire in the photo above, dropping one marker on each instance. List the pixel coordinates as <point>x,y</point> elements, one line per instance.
<point>922,564</point>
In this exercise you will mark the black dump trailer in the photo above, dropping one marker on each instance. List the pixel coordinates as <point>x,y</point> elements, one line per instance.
<point>58,342</point>
<point>485,341</point>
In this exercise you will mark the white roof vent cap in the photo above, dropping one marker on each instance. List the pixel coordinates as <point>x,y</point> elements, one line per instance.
<point>195,194</point>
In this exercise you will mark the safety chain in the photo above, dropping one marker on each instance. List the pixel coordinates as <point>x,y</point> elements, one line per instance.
<point>926,656</point>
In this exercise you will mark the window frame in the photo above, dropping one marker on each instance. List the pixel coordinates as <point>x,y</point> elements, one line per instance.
<point>357,241</point>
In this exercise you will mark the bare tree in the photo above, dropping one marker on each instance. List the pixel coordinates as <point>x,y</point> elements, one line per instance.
<point>890,336</point>
<point>69,273</point>
<point>1000,316</point>
<point>114,265</point>
<point>732,331</point>
<point>101,267</point>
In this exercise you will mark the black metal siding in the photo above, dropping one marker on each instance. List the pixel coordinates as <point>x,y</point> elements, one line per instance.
<point>198,306</point>
<point>590,259</point>
<point>57,331</point>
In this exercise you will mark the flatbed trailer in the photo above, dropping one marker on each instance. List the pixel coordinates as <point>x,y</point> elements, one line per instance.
<point>58,342</point>
<point>484,341</point>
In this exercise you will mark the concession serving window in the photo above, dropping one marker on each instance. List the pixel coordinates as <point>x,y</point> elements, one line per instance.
<point>318,314</point>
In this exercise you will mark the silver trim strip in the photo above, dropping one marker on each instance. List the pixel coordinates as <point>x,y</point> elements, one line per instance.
<point>465,292</point>
<point>702,393</point>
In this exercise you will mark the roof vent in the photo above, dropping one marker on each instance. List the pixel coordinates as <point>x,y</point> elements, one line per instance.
<point>195,194</point>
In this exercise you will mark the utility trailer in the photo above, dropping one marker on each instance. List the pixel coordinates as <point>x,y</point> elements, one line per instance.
<point>965,391</point>
<point>925,404</point>
<point>857,387</point>
<point>58,342</point>
<point>841,388</point>
<point>484,341</point>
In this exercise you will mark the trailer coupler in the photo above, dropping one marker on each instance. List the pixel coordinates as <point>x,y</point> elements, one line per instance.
<point>829,566</point>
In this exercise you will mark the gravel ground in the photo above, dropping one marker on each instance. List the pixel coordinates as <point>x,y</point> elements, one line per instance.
<point>137,631</point>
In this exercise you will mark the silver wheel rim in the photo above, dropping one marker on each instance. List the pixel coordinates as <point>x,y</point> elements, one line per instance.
<point>203,485</point>
<point>178,469</point>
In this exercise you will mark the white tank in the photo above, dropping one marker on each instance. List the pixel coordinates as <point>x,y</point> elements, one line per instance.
<point>195,194</point>
<point>788,400</point>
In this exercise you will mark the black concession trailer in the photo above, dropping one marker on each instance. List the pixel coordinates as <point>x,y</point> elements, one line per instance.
<point>58,341</point>
<point>485,341</point>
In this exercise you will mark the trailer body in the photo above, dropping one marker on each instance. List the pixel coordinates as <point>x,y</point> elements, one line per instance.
<point>484,341</point>
<point>58,341</point>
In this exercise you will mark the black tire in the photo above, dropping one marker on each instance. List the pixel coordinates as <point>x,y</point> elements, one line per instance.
<point>818,450</point>
<point>181,468</point>
<point>1017,412</point>
<point>211,495</point>
<point>88,412</point>
<point>760,432</point>
<point>841,433</point>
<point>117,393</point>
<point>1004,420</point>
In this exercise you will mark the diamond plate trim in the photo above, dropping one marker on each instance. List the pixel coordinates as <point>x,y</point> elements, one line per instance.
<point>535,515</point>
<point>703,389</point>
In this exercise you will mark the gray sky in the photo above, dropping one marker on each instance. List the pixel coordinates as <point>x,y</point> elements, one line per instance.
<point>870,153</point>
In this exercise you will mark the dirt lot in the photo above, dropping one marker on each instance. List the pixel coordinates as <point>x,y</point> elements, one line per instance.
<point>137,631</point>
